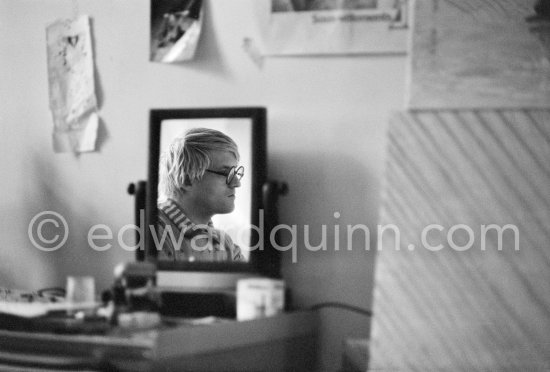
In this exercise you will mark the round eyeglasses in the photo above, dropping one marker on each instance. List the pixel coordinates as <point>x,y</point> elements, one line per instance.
<point>231,174</point>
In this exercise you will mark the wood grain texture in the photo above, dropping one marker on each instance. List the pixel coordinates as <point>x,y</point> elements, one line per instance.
<point>457,308</point>
<point>478,54</point>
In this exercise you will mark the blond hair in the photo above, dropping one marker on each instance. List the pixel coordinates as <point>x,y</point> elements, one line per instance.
<point>188,157</point>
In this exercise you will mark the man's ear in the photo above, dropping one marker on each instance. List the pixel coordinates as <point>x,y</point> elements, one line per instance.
<point>187,183</point>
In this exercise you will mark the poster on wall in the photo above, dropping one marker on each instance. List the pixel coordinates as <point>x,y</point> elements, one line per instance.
<point>175,29</point>
<point>71,85</point>
<point>320,27</point>
<point>478,53</point>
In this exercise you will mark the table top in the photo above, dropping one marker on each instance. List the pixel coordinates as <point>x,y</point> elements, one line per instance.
<point>173,338</point>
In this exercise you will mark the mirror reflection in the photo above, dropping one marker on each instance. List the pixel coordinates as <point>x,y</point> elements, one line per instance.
<point>204,192</point>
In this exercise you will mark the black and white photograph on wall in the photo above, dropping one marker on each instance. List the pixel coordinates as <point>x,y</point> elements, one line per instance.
<point>175,29</point>
<point>321,27</point>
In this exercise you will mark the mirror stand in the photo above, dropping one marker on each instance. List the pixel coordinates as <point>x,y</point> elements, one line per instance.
<point>138,189</point>
<point>271,191</point>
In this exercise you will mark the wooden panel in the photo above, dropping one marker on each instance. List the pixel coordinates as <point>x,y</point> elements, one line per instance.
<point>458,309</point>
<point>479,54</point>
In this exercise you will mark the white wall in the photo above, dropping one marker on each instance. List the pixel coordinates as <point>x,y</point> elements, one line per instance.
<point>327,118</point>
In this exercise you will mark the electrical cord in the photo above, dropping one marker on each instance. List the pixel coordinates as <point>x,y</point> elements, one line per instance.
<point>356,309</point>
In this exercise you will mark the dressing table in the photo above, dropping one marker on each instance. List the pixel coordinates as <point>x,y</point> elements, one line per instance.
<point>283,342</point>
<point>181,340</point>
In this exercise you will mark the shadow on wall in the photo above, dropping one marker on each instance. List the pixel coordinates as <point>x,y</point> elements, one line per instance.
<point>61,221</point>
<point>102,132</point>
<point>331,204</point>
<point>320,185</point>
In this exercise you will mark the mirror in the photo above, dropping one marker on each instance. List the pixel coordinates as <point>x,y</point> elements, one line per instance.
<point>237,223</point>
<point>247,128</point>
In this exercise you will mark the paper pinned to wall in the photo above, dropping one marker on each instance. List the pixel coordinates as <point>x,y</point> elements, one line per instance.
<point>71,83</point>
<point>479,54</point>
<point>320,27</point>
